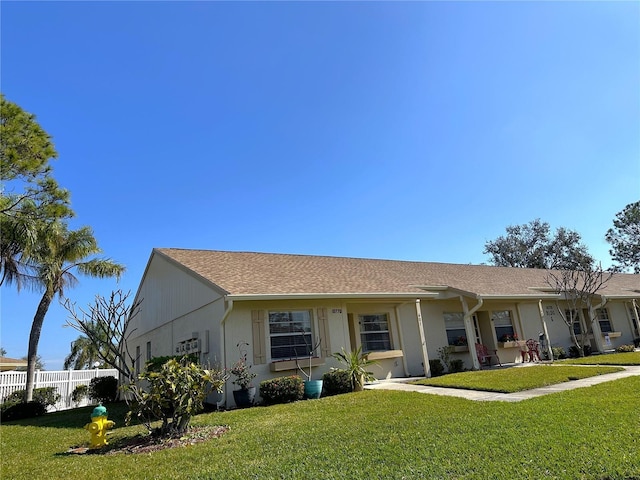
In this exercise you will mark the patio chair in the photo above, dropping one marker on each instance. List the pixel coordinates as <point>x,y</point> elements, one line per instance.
<point>523,351</point>
<point>484,357</point>
<point>534,350</point>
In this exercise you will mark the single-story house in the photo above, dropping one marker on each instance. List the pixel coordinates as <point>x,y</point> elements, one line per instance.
<point>7,364</point>
<point>275,306</point>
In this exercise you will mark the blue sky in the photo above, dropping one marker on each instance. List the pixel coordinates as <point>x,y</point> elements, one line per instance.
<point>405,130</point>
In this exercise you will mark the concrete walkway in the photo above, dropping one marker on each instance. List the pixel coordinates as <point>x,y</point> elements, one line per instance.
<point>402,384</point>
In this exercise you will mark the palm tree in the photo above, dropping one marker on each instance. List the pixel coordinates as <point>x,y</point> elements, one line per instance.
<point>86,352</point>
<point>58,252</point>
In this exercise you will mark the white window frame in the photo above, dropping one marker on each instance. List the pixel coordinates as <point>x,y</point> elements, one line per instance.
<point>455,329</point>
<point>364,332</point>
<point>602,314</point>
<point>302,347</point>
<point>577,322</point>
<point>497,317</point>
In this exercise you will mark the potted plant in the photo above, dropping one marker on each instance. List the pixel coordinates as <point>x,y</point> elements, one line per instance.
<point>246,394</point>
<point>356,364</point>
<point>312,388</point>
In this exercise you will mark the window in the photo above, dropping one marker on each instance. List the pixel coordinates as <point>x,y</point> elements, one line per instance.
<point>603,320</point>
<point>290,334</point>
<point>572,316</point>
<point>374,332</point>
<point>137,360</point>
<point>504,326</point>
<point>148,351</point>
<point>454,324</point>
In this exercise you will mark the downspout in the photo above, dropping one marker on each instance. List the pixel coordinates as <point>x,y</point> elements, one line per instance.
<point>468,328</point>
<point>401,338</point>
<point>597,336</point>
<point>423,341</point>
<point>223,343</point>
<point>544,330</point>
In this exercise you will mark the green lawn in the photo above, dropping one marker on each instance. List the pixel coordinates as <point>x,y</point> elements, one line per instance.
<point>587,433</point>
<point>629,358</point>
<point>516,379</point>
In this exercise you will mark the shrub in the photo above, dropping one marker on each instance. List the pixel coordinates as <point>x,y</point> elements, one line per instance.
<point>437,368</point>
<point>282,390</point>
<point>356,364</point>
<point>17,411</point>
<point>445,356</point>
<point>173,395</point>
<point>156,363</point>
<point>636,342</point>
<point>80,393</point>
<point>558,353</point>
<point>104,389</point>
<point>336,381</point>
<point>625,348</point>
<point>456,365</point>
<point>574,352</point>
<point>47,396</point>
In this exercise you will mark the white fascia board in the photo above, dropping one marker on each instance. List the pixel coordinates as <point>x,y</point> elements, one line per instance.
<point>320,296</point>
<point>525,296</point>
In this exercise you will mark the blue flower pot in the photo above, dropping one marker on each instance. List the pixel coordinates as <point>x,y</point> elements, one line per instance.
<point>312,388</point>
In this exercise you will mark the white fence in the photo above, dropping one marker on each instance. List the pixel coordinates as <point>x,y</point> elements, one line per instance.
<point>65,381</point>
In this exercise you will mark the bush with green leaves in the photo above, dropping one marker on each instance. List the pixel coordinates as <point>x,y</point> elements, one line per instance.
<point>156,363</point>
<point>574,352</point>
<point>18,411</point>
<point>356,364</point>
<point>79,393</point>
<point>282,390</point>
<point>636,342</point>
<point>456,365</point>
<point>558,353</point>
<point>47,396</point>
<point>625,348</point>
<point>436,366</point>
<point>104,389</point>
<point>173,394</point>
<point>336,381</point>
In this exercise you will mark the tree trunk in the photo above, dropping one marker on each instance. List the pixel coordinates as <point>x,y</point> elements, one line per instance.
<point>34,338</point>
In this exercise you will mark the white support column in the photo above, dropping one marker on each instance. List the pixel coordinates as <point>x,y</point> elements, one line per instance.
<point>401,338</point>
<point>423,341</point>
<point>544,330</point>
<point>470,331</point>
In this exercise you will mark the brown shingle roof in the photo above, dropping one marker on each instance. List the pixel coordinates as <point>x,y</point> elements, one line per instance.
<point>248,273</point>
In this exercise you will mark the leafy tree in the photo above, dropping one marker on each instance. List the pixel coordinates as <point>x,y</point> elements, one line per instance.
<point>59,252</point>
<point>533,246</point>
<point>624,238</point>
<point>39,364</point>
<point>84,353</point>
<point>3,352</point>
<point>29,194</point>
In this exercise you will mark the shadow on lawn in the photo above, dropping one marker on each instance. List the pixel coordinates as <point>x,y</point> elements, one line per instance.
<point>74,418</point>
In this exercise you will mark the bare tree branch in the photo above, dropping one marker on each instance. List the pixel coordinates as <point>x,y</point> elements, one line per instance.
<point>108,319</point>
<point>578,288</point>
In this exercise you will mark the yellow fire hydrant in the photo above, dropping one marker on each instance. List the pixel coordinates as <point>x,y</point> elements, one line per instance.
<point>99,426</point>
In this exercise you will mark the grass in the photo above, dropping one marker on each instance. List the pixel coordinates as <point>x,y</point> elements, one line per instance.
<point>511,380</point>
<point>628,358</point>
<point>587,433</point>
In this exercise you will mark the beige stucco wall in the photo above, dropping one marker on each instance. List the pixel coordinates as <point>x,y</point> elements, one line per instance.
<point>175,307</point>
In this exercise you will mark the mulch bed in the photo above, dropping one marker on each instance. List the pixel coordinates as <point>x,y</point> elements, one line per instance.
<point>151,443</point>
